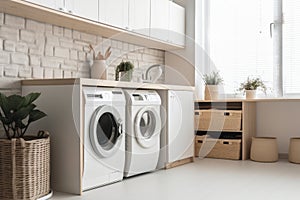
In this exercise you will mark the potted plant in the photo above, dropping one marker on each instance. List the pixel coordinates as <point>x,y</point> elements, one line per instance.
<point>99,67</point>
<point>212,82</point>
<point>25,159</point>
<point>124,71</point>
<point>251,85</point>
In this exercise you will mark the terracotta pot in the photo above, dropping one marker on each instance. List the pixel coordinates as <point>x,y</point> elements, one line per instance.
<point>250,94</point>
<point>99,70</point>
<point>211,92</point>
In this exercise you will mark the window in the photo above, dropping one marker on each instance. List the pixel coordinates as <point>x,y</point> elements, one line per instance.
<point>291,47</point>
<point>239,40</point>
<point>239,44</point>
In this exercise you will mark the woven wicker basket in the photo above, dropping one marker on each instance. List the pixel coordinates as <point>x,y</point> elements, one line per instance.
<point>24,168</point>
<point>217,148</point>
<point>218,120</point>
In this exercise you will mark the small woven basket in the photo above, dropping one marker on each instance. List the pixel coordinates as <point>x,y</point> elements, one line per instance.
<point>24,168</point>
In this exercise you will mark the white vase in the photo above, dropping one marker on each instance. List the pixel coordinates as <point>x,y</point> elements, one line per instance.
<point>250,94</point>
<point>99,70</point>
<point>211,92</point>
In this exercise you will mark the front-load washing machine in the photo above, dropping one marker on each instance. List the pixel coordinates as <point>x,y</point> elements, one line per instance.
<point>104,142</point>
<point>143,127</point>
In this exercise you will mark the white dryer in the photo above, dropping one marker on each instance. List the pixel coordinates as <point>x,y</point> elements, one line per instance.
<point>104,142</point>
<point>143,128</point>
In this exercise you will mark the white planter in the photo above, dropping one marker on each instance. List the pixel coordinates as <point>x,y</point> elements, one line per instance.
<point>211,92</point>
<point>250,94</point>
<point>99,70</point>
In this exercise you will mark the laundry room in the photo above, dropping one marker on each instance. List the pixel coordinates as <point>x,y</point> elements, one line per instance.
<point>160,99</point>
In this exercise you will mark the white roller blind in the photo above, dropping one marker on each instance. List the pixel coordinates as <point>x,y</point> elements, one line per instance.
<point>240,42</point>
<point>291,47</point>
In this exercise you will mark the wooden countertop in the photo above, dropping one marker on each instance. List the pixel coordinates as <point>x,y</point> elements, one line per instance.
<point>106,83</point>
<point>284,99</point>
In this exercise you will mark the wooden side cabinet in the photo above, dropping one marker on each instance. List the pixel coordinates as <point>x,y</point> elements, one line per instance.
<point>227,119</point>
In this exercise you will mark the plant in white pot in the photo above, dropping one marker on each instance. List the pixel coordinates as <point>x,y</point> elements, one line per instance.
<point>251,85</point>
<point>212,85</point>
<point>99,67</point>
<point>124,71</point>
<point>25,159</point>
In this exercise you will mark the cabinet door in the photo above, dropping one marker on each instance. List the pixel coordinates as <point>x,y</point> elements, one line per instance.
<point>55,4</point>
<point>176,24</point>
<point>114,13</point>
<point>159,19</point>
<point>87,9</point>
<point>139,16</point>
<point>180,125</point>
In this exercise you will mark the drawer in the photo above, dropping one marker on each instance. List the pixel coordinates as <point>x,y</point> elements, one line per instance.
<point>218,120</point>
<point>217,148</point>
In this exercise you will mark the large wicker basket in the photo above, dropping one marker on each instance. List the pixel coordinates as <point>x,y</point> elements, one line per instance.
<point>24,168</point>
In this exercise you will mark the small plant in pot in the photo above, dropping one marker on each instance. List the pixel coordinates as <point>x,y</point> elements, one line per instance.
<point>25,159</point>
<point>124,71</point>
<point>251,85</point>
<point>212,85</point>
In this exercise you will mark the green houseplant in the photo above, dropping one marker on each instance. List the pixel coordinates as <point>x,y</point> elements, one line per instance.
<point>212,82</point>
<point>251,85</point>
<point>124,71</point>
<point>25,165</point>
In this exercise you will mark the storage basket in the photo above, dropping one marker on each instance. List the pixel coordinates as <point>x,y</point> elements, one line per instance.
<point>217,148</point>
<point>24,168</point>
<point>219,120</point>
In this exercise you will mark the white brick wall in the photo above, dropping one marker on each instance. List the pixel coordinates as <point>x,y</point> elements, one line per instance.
<point>4,57</point>
<point>14,21</point>
<point>20,58</point>
<point>27,36</point>
<point>30,49</point>
<point>9,33</point>
<point>9,45</point>
<point>1,18</point>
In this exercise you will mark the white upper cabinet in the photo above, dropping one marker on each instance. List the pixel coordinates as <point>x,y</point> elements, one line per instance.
<point>139,16</point>
<point>55,4</point>
<point>87,9</point>
<point>114,13</point>
<point>159,19</point>
<point>176,24</point>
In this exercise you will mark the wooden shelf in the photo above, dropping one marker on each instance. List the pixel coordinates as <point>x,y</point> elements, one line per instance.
<point>248,120</point>
<point>42,14</point>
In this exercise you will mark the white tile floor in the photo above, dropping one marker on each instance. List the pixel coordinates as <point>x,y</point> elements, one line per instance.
<point>209,179</point>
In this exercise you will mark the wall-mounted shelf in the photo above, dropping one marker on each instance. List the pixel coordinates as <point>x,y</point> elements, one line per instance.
<point>47,15</point>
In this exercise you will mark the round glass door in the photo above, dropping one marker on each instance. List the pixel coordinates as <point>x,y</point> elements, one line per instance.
<point>106,131</point>
<point>147,127</point>
<point>147,124</point>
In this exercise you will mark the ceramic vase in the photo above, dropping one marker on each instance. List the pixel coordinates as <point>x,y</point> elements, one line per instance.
<point>211,92</point>
<point>250,94</point>
<point>99,70</point>
<point>126,75</point>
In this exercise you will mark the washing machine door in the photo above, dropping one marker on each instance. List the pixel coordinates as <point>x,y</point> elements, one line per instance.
<point>106,131</point>
<point>147,127</point>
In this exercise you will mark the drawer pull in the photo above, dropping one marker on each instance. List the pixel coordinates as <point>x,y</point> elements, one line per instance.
<point>226,113</point>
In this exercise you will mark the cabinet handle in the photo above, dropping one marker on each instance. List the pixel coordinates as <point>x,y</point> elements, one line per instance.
<point>226,113</point>
<point>60,9</point>
<point>70,11</point>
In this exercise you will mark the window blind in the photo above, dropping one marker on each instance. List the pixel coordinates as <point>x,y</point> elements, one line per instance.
<point>239,40</point>
<point>291,47</point>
